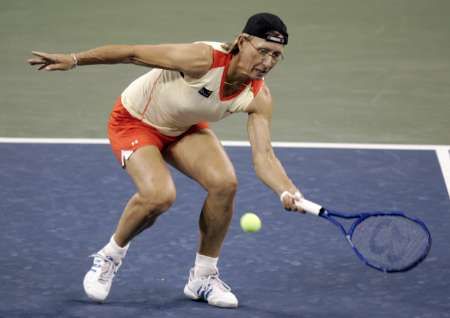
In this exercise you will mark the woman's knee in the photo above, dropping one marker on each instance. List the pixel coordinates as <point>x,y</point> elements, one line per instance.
<point>222,184</point>
<point>157,199</point>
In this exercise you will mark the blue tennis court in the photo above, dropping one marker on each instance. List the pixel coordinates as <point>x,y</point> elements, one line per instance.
<point>370,72</point>
<point>60,203</point>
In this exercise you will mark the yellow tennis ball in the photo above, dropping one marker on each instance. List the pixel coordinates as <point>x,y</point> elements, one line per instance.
<point>250,222</point>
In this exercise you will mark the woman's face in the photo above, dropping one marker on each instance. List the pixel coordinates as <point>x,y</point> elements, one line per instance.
<point>259,56</point>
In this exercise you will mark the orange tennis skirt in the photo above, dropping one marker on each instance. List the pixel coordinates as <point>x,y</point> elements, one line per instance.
<point>127,133</point>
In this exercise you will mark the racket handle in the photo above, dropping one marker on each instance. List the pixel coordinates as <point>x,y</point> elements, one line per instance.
<point>309,207</point>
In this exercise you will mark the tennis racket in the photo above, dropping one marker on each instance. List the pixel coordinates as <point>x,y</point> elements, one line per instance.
<point>386,241</point>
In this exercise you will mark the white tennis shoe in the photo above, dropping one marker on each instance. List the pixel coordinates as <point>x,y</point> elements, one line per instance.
<point>98,280</point>
<point>210,289</point>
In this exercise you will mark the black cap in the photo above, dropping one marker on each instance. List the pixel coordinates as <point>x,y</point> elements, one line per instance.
<point>263,24</point>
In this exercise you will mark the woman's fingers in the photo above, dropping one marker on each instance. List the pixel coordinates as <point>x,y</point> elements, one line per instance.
<point>40,54</point>
<point>36,61</point>
<point>40,58</point>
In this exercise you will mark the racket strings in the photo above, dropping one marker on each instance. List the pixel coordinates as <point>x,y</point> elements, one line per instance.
<point>390,242</point>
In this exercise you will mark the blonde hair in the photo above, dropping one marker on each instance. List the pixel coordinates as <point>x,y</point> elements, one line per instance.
<point>233,47</point>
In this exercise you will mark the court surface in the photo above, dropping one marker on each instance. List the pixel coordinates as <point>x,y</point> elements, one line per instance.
<point>60,203</point>
<point>366,72</point>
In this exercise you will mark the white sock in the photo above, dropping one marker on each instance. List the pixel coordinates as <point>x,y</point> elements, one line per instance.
<point>205,265</point>
<point>115,251</point>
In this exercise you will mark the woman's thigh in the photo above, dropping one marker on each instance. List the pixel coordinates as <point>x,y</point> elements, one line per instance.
<point>201,156</point>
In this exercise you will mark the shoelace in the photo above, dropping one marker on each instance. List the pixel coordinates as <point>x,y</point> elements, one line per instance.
<point>107,267</point>
<point>209,284</point>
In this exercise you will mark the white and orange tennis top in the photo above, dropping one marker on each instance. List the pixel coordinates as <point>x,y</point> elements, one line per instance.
<point>172,102</point>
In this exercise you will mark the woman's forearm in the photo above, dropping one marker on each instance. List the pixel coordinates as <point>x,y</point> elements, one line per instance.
<point>108,54</point>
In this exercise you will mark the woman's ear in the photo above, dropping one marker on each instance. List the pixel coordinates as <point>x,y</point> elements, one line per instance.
<point>240,40</point>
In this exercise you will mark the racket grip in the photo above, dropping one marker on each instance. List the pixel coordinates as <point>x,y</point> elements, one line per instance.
<point>309,206</point>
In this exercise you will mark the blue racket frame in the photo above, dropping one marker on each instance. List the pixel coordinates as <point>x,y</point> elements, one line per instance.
<point>330,215</point>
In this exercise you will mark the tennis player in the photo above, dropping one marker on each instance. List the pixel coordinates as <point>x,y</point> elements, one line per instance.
<point>162,118</point>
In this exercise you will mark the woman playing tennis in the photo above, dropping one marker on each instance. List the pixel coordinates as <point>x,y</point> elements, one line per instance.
<point>162,117</point>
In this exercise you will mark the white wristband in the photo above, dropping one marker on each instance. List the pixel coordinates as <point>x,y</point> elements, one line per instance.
<point>282,195</point>
<point>296,195</point>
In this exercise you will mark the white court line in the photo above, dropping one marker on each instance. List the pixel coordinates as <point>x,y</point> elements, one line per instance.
<point>444,160</point>
<point>442,151</point>
<point>240,144</point>
<point>325,145</point>
<point>54,140</point>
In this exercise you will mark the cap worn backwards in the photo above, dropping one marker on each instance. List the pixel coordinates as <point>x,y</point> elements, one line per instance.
<point>267,26</point>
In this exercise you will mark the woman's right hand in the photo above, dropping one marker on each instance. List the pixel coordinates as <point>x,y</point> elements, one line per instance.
<point>53,62</point>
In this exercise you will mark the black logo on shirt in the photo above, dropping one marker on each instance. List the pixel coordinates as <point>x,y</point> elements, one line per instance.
<point>205,92</point>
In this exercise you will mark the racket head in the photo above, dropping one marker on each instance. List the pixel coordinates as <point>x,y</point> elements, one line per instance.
<point>390,241</point>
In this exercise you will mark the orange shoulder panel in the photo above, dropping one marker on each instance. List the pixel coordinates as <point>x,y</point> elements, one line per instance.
<point>219,59</point>
<point>256,86</point>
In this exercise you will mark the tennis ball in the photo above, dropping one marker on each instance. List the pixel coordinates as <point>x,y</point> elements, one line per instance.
<point>250,222</point>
